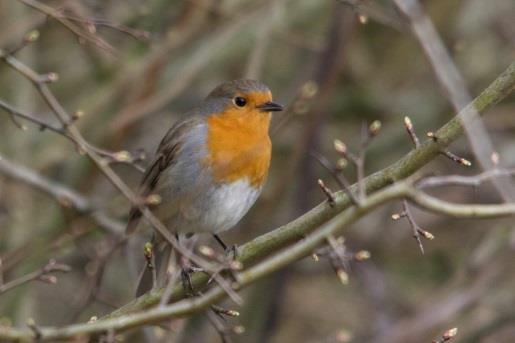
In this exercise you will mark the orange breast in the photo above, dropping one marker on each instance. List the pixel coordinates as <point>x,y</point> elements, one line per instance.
<point>239,146</point>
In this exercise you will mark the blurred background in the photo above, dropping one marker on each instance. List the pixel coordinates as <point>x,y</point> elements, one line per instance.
<point>334,70</point>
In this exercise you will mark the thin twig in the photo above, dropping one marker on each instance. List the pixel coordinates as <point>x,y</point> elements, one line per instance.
<point>455,158</point>
<point>81,34</point>
<point>219,325</point>
<point>452,156</point>
<point>414,226</point>
<point>140,35</point>
<point>416,142</point>
<point>328,193</point>
<point>411,132</point>
<point>460,180</point>
<point>455,89</point>
<point>64,195</point>
<point>42,274</point>
<point>123,156</point>
<point>338,258</point>
<point>43,125</point>
<point>337,176</point>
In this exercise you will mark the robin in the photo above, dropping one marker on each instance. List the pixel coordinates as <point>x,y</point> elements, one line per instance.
<point>210,167</point>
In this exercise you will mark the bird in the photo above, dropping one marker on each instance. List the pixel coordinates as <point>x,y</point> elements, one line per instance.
<point>211,166</point>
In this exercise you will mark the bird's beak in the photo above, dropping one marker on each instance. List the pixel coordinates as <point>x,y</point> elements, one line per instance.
<point>269,107</point>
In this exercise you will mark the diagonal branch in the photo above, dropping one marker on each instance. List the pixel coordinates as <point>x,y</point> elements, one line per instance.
<point>64,195</point>
<point>42,274</point>
<point>43,125</point>
<point>69,25</point>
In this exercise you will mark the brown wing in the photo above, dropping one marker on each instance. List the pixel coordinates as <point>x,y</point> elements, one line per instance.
<point>165,157</point>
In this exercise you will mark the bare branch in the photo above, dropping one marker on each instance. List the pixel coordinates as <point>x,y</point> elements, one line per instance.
<point>414,226</point>
<point>455,89</point>
<point>42,274</point>
<point>411,131</point>
<point>416,142</point>
<point>65,196</point>
<point>140,35</point>
<point>460,210</point>
<point>460,180</point>
<point>81,34</point>
<point>43,125</point>
<point>328,193</point>
<point>340,179</point>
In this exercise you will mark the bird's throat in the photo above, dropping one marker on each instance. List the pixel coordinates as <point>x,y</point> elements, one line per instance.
<point>239,146</point>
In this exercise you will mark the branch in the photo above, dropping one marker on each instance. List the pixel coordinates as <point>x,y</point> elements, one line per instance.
<point>455,90</point>
<point>40,274</point>
<point>92,23</point>
<point>460,210</point>
<point>122,156</point>
<point>43,125</point>
<point>69,25</point>
<point>417,230</point>
<point>303,248</point>
<point>64,195</point>
<point>460,180</point>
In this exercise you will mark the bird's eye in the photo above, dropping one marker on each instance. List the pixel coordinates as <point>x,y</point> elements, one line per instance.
<point>240,101</point>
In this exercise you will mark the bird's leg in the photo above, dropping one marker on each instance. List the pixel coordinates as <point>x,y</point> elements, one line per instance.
<point>220,241</point>
<point>186,272</point>
<point>187,285</point>
<point>187,269</point>
<point>215,314</point>
<point>227,250</point>
<point>229,263</point>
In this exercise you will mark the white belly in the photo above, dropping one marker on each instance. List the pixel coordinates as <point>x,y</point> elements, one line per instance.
<point>219,209</point>
<point>229,203</point>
